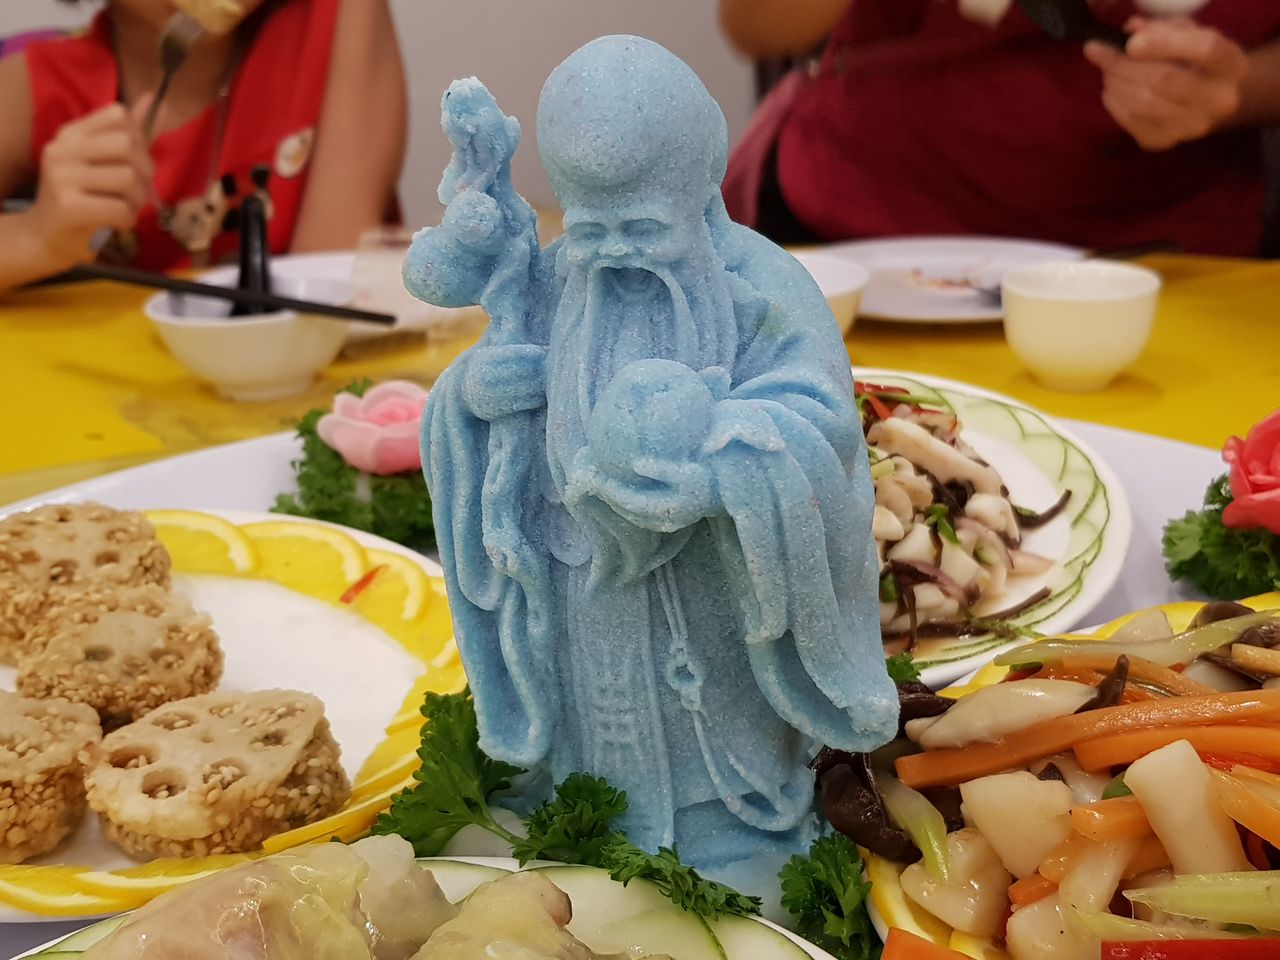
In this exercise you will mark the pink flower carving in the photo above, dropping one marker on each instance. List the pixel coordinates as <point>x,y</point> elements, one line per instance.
<point>377,433</point>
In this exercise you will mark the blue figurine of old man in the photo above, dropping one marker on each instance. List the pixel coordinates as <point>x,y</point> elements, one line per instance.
<point>650,486</point>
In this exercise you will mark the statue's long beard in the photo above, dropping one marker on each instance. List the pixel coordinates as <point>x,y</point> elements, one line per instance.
<point>606,320</point>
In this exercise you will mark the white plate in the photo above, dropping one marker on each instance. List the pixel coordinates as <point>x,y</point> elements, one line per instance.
<point>508,864</point>
<point>411,315</point>
<point>275,637</point>
<point>1037,459</point>
<point>930,279</point>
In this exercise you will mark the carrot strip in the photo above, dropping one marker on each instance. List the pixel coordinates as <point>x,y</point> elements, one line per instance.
<point>1056,671</point>
<point>1116,749</point>
<point>1140,671</point>
<point>1151,855</point>
<point>1058,863</point>
<point>958,764</point>
<point>1030,889</point>
<point>1111,819</point>
<point>1248,808</point>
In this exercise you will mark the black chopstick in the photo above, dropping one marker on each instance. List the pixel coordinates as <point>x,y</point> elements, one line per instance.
<point>159,281</point>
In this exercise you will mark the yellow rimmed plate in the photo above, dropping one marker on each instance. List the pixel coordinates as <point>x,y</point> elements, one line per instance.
<point>369,643</point>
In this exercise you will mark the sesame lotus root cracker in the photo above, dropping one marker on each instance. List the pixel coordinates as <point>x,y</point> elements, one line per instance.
<point>51,552</point>
<point>218,773</point>
<point>42,795</point>
<point>123,651</point>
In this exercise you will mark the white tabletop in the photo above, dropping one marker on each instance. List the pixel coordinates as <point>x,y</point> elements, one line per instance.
<point>1162,478</point>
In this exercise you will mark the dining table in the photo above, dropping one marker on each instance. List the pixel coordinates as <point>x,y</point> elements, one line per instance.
<point>87,388</point>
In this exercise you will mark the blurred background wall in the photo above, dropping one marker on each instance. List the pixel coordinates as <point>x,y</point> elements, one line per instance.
<point>509,44</point>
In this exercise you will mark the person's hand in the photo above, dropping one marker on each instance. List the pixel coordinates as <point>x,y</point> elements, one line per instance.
<point>501,380</point>
<point>1175,80</point>
<point>95,174</point>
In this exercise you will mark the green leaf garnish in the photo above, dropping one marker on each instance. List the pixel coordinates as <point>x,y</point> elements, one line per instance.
<point>575,825</point>
<point>826,894</point>
<point>681,884</point>
<point>902,668</point>
<point>1223,562</point>
<point>455,780</point>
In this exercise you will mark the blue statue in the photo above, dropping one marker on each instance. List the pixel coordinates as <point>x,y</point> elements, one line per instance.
<point>650,486</point>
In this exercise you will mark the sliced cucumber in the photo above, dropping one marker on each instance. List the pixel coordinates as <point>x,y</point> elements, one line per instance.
<point>742,938</point>
<point>52,954</point>
<point>457,878</point>
<point>82,940</point>
<point>636,919</point>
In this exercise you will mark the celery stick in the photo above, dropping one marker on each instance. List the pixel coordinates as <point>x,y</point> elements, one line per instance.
<point>1182,648</point>
<point>1251,898</point>
<point>922,822</point>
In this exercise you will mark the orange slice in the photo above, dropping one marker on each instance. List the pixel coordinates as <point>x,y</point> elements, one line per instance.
<point>317,560</point>
<point>393,595</point>
<point>202,543</point>
<point>51,892</point>
<point>347,824</point>
<point>139,884</point>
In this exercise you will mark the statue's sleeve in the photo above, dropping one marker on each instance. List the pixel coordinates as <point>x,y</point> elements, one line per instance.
<point>791,470</point>
<point>797,549</point>
<point>497,638</point>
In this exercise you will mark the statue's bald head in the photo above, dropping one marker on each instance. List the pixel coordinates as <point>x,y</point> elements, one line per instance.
<point>623,114</point>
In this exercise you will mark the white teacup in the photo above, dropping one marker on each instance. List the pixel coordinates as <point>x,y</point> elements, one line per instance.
<point>1077,325</point>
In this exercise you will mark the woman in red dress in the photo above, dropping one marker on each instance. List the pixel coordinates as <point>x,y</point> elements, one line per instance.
<point>918,119</point>
<point>305,97</point>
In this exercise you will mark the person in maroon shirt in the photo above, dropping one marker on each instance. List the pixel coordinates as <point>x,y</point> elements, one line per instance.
<point>921,118</point>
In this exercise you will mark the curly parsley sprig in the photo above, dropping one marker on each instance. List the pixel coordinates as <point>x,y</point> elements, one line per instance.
<point>826,893</point>
<point>455,780</point>
<point>1225,563</point>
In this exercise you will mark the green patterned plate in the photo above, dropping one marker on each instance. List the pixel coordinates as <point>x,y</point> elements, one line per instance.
<point>1038,460</point>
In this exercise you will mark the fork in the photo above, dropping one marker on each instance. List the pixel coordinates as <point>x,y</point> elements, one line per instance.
<point>180,32</point>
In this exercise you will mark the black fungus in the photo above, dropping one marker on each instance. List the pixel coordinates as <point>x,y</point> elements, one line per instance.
<point>1051,772</point>
<point>1030,519</point>
<point>1216,610</point>
<point>1111,689</point>
<point>915,700</point>
<point>851,805</point>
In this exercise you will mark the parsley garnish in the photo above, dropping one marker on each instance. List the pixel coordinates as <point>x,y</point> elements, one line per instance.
<point>574,826</point>
<point>827,895</point>
<point>1224,563</point>
<point>457,779</point>
<point>902,668</point>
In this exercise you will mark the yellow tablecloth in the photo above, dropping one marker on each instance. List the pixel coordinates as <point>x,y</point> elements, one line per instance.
<point>86,387</point>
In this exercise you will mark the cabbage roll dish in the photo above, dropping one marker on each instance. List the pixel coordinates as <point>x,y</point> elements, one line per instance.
<point>1102,794</point>
<point>367,901</point>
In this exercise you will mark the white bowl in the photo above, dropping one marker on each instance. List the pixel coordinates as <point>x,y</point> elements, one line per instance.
<point>841,281</point>
<point>1078,325</point>
<point>260,357</point>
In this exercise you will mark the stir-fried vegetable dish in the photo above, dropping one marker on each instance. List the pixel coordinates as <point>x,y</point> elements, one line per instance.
<point>1107,794</point>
